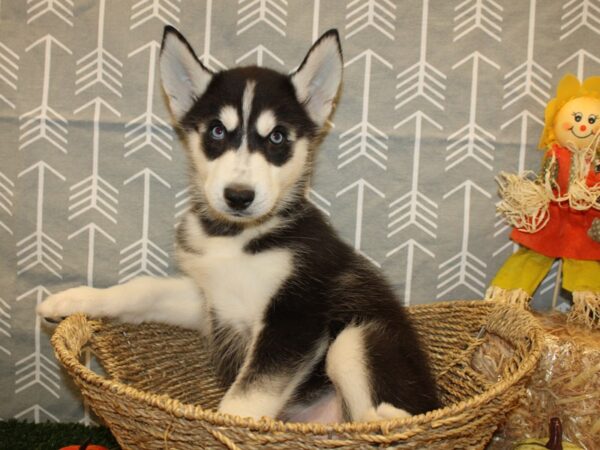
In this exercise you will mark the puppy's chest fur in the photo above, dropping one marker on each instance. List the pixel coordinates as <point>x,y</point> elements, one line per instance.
<point>238,284</point>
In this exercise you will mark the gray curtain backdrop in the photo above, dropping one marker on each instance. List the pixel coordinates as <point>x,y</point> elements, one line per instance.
<point>439,96</point>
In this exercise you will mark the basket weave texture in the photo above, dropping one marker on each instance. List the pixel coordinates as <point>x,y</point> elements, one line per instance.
<point>160,392</point>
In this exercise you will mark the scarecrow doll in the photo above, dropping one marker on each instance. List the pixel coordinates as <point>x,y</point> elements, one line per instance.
<point>556,213</point>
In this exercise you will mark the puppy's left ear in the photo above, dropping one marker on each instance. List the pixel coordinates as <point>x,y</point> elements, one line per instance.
<point>184,77</point>
<point>318,78</point>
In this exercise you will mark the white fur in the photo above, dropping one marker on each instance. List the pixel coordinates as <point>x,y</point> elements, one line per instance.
<point>229,117</point>
<point>265,123</point>
<point>183,77</point>
<point>237,285</point>
<point>318,80</point>
<point>267,396</point>
<point>247,98</point>
<point>346,367</point>
<point>175,301</point>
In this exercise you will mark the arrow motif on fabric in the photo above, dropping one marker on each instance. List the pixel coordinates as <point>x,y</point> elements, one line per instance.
<point>579,14</point>
<point>99,66</point>
<point>91,230</point>
<point>524,119</point>
<point>44,122</point>
<point>364,139</point>
<point>414,208</point>
<point>94,192</point>
<point>164,10</point>
<point>464,268</point>
<point>361,186</point>
<point>529,79</point>
<point>319,201</point>
<point>182,203</point>
<point>148,129</point>
<point>35,414</point>
<point>144,256</point>
<point>421,79</point>
<point>37,368</point>
<point>5,324</point>
<point>579,57</point>
<point>260,51</point>
<point>379,14</point>
<point>410,245</point>
<point>63,9</point>
<point>271,12</point>
<point>207,57</point>
<point>8,71</point>
<point>38,248</point>
<point>484,15</point>
<point>6,200</point>
<point>472,140</point>
<point>549,282</point>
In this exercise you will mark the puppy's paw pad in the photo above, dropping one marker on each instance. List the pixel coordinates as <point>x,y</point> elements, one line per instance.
<point>58,306</point>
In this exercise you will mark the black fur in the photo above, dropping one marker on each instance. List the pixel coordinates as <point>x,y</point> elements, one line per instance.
<point>331,286</point>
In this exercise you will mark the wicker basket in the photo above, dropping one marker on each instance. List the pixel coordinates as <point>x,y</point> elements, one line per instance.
<point>160,391</point>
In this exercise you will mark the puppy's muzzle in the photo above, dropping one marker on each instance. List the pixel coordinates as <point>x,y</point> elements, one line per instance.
<point>238,197</point>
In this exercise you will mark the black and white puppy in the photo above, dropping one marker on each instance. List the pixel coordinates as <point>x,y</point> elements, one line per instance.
<point>302,328</point>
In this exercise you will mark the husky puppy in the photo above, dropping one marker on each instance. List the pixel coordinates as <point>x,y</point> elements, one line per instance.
<point>301,327</point>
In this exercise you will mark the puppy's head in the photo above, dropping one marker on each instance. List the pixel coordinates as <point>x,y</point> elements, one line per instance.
<point>250,131</point>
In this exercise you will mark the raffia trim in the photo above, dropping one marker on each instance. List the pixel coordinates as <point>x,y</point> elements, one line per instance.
<point>525,201</point>
<point>511,296</point>
<point>586,309</point>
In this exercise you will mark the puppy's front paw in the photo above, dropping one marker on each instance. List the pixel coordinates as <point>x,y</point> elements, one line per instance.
<point>75,300</point>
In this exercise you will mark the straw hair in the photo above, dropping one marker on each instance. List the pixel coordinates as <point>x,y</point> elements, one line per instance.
<point>160,390</point>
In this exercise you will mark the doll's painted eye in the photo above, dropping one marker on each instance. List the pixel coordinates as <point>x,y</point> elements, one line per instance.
<point>592,119</point>
<point>578,117</point>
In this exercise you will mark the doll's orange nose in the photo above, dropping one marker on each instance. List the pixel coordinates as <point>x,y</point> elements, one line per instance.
<point>582,127</point>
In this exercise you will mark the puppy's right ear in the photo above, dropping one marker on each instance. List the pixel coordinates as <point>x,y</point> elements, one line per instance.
<point>184,77</point>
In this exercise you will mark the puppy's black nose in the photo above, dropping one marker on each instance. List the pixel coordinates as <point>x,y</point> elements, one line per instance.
<point>238,197</point>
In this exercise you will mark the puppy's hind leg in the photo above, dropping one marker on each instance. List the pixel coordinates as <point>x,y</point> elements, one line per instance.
<point>348,365</point>
<point>175,301</point>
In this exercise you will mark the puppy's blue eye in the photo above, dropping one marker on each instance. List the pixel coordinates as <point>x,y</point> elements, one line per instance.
<point>217,132</point>
<point>276,138</point>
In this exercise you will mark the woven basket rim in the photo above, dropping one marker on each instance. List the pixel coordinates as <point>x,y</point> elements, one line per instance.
<point>188,411</point>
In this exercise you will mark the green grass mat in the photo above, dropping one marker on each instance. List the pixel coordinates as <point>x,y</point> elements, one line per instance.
<point>16,435</point>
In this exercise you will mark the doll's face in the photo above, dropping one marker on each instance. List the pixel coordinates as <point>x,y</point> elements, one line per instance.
<point>578,122</point>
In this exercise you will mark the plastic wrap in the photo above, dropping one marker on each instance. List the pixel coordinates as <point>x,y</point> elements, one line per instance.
<point>566,384</point>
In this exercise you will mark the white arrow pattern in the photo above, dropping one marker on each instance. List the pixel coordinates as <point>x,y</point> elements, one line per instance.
<point>81,108</point>
<point>379,14</point>
<point>6,200</point>
<point>167,11</point>
<point>464,268</point>
<point>44,122</point>
<point>579,14</point>
<point>37,369</point>
<point>4,326</point>
<point>63,9</point>
<point>99,66</point>
<point>148,130</point>
<point>94,192</point>
<point>38,248</point>
<point>485,15</point>
<point>472,140</point>
<point>364,139</point>
<point>9,66</point>
<point>144,257</point>
<point>421,79</point>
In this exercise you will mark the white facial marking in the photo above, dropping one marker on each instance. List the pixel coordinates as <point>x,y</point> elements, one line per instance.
<point>247,99</point>
<point>229,117</point>
<point>265,123</point>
